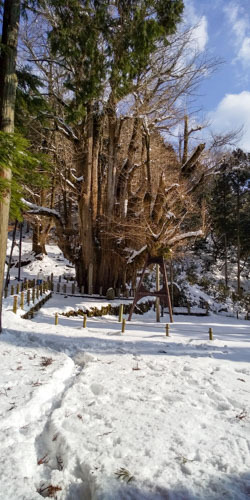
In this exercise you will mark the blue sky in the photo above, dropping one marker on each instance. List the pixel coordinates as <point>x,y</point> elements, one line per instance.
<point>224,32</point>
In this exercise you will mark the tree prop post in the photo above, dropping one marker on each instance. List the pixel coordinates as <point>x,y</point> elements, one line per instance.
<point>163,293</point>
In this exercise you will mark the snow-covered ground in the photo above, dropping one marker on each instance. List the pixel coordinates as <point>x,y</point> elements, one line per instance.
<point>96,414</point>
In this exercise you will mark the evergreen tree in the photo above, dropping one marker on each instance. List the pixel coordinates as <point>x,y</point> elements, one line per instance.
<point>229,208</point>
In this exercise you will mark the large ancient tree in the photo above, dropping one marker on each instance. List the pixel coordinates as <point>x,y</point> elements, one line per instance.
<point>122,75</point>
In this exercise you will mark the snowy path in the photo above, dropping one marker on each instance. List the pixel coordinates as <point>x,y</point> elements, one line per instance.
<point>174,412</point>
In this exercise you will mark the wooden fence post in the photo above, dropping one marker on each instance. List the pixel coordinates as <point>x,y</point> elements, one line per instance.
<point>123,325</point>
<point>120,313</point>
<point>210,334</point>
<point>22,300</point>
<point>84,320</point>
<point>15,303</point>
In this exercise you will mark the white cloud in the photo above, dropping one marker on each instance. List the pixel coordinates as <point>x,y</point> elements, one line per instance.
<point>200,33</point>
<point>244,52</point>
<point>233,112</point>
<point>237,20</point>
<point>239,23</point>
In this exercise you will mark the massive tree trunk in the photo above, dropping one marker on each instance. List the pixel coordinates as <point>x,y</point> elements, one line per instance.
<point>38,239</point>
<point>8,83</point>
<point>84,205</point>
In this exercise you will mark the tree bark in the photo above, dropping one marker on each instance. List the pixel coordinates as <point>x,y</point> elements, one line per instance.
<point>8,84</point>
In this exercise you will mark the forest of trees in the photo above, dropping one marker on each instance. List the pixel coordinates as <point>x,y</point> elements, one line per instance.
<point>88,117</point>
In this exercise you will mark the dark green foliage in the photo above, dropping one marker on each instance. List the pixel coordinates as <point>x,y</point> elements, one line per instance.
<point>29,170</point>
<point>229,204</point>
<point>30,104</point>
<point>102,43</point>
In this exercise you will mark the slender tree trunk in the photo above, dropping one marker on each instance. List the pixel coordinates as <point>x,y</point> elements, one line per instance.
<point>8,83</point>
<point>226,260</point>
<point>238,242</point>
<point>185,141</point>
<point>20,251</point>
<point>11,253</point>
<point>157,300</point>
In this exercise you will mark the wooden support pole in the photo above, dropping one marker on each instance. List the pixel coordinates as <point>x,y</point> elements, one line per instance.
<point>123,325</point>
<point>15,304</point>
<point>167,330</point>
<point>120,313</point>
<point>165,279</point>
<point>210,334</point>
<point>56,319</point>
<point>12,290</point>
<point>33,294</point>
<point>5,293</point>
<point>157,300</point>
<point>28,297</point>
<point>17,288</point>
<point>135,298</point>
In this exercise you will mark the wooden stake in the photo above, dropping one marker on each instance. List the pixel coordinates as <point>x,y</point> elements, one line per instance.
<point>167,330</point>
<point>210,334</point>
<point>28,297</point>
<point>22,300</point>
<point>123,325</point>
<point>17,288</point>
<point>33,294</point>
<point>56,319</point>
<point>120,313</point>
<point>12,290</point>
<point>6,293</point>
<point>84,320</point>
<point>15,304</point>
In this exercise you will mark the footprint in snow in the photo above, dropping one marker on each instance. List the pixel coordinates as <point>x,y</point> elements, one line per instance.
<point>97,389</point>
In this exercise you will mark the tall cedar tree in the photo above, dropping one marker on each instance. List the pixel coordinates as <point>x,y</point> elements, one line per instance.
<point>8,83</point>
